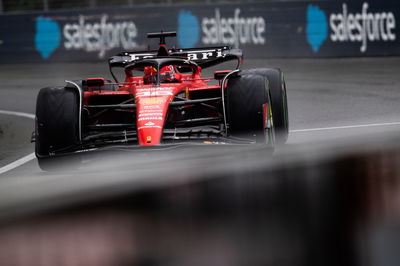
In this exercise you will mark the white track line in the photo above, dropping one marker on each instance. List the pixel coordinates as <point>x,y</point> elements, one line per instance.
<point>17,163</point>
<point>20,114</point>
<point>31,156</point>
<point>25,159</point>
<point>345,127</point>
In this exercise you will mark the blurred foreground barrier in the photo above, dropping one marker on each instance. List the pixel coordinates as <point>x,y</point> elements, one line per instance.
<point>312,206</point>
<point>263,30</point>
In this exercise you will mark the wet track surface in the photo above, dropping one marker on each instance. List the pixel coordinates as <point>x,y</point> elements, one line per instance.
<point>328,99</point>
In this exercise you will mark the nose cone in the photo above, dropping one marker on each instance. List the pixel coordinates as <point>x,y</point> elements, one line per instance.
<point>149,134</point>
<point>152,106</point>
<point>151,113</point>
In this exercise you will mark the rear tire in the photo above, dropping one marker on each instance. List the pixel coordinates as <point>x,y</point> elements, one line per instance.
<point>57,123</point>
<point>246,96</point>
<point>277,88</point>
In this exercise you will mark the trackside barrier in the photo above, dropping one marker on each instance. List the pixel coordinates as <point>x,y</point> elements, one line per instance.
<point>263,30</point>
<point>319,206</point>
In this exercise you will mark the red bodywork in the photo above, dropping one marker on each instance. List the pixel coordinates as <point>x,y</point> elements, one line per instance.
<point>152,102</point>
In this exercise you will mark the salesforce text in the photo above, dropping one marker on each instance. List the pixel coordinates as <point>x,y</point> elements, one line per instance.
<point>233,30</point>
<point>99,37</point>
<point>362,27</point>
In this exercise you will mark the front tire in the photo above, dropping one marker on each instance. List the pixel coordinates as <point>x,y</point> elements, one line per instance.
<point>57,123</point>
<point>277,87</point>
<point>249,109</point>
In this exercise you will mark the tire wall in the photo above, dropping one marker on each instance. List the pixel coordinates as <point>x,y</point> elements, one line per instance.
<point>262,30</point>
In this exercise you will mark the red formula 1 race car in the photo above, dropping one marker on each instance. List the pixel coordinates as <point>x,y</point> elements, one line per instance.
<point>163,100</point>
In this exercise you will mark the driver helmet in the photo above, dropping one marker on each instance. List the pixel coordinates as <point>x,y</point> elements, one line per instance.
<point>150,75</point>
<point>167,74</point>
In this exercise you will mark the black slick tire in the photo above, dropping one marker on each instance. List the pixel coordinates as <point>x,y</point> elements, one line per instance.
<point>246,96</point>
<point>57,123</point>
<point>277,88</point>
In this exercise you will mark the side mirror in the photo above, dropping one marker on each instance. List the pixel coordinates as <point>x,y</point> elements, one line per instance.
<point>94,82</point>
<point>219,75</point>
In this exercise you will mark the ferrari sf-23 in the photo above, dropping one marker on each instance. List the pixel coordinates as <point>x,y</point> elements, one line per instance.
<point>163,100</point>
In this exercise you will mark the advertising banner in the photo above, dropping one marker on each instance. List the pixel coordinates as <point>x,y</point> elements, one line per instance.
<point>262,30</point>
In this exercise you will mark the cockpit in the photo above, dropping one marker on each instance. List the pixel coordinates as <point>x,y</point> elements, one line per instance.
<point>168,74</point>
<point>161,70</point>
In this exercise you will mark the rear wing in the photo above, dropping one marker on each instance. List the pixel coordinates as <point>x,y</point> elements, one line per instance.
<point>203,57</point>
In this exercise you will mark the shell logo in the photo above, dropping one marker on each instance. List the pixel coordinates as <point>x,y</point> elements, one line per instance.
<point>152,101</point>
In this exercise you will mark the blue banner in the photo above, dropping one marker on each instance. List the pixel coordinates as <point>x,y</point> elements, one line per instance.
<point>262,30</point>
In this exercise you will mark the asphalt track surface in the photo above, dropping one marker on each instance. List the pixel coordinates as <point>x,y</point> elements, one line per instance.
<point>330,101</point>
